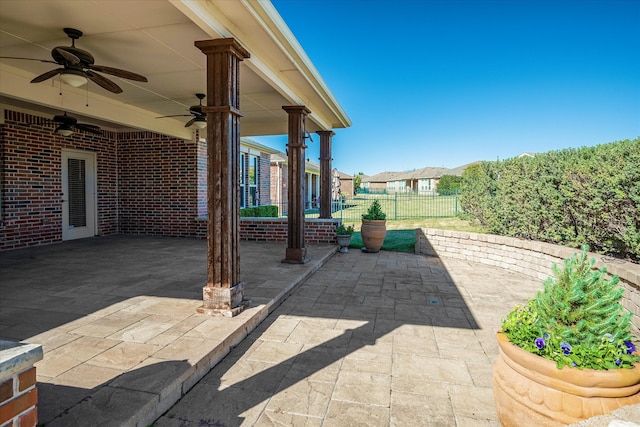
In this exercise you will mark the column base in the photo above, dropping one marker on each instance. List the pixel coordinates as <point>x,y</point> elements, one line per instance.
<point>227,302</point>
<point>296,256</point>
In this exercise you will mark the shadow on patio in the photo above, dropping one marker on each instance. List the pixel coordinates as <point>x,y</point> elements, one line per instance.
<point>367,335</point>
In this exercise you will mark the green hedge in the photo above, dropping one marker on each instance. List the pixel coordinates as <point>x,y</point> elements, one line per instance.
<point>260,211</point>
<point>589,195</point>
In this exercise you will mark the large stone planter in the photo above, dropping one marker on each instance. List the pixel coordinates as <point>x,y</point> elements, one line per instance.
<point>373,232</point>
<point>529,389</point>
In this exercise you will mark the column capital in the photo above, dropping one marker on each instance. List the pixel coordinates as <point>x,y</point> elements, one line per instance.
<point>222,45</point>
<point>300,109</point>
<point>328,133</point>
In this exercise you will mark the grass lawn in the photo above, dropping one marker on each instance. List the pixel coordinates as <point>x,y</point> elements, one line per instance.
<point>401,235</point>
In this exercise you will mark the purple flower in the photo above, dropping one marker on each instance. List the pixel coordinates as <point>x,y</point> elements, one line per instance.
<point>546,336</point>
<point>618,362</point>
<point>566,348</point>
<point>631,347</point>
<point>540,343</point>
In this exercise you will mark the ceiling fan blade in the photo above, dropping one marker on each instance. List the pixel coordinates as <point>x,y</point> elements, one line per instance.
<point>118,73</point>
<point>89,128</point>
<point>68,56</point>
<point>47,75</point>
<point>175,115</point>
<point>65,119</point>
<point>28,59</point>
<point>190,122</point>
<point>104,82</point>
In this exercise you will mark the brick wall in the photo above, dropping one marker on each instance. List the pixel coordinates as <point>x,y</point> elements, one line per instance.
<point>158,184</point>
<point>276,230</point>
<point>265,181</point>
<point>31,180</point>
<point>279,178</point>
<point>528,257</point>
<point>18,399</point>
<point>146,184</point>
<point>202,178</point>
<point>317,231</point>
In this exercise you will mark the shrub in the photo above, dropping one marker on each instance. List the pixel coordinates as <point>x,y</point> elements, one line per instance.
<point>375,211</point>
<point>260,211</point>
<point>587,196</point>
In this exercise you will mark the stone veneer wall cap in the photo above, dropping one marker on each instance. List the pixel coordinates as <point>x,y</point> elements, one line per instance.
<point>16,357</point>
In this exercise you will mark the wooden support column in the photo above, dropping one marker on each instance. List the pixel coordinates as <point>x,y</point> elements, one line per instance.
<point>325,172</point>
<point>296,251</point>
<point>224,293</point>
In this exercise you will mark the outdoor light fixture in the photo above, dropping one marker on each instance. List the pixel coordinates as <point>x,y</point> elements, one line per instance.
<point>75,78</point>
<point>64,130</point>
<point>200,124</point>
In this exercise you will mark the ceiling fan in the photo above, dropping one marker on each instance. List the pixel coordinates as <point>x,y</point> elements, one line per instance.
<point>78,66</point>
<point>199,118</point>
<point>67,124</point>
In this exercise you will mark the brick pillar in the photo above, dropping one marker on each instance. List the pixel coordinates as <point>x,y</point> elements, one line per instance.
<point>325,172</point>
<point>296,252</point>
<point>18,392</point>
<point>224,293</point>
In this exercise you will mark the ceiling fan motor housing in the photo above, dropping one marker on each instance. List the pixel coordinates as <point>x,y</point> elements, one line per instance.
<point>85,57</point>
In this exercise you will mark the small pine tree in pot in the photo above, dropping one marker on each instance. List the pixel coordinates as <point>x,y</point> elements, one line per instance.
<point>576,320</point>
<point>571,349</point>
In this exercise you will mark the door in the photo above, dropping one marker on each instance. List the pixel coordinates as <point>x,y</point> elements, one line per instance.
<point>78,194</point>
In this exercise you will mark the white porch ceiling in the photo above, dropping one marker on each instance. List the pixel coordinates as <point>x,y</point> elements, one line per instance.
<point>156,38</point>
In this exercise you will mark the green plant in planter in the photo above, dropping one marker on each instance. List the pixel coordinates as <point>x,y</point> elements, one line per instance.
<point>576,320</point>
<point>375,211</point>
<point>341,230</point>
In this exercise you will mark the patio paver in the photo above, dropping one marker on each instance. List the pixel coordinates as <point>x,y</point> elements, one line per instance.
<point>386,339</point>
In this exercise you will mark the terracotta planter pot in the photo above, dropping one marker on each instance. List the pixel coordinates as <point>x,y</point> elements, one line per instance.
<point>529,387</point>
<point>373,232</point>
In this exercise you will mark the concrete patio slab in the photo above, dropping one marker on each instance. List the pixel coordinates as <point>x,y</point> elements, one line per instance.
<point>384,339</point>
<point>117,320</point>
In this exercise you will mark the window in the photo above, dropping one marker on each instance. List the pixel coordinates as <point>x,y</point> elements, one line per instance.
<point>254,179</point>
<point>243,162</point>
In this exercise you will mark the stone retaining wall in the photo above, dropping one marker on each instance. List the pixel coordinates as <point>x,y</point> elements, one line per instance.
<point>528,257</point>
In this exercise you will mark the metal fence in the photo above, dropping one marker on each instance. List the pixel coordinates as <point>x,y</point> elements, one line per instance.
<point>395,205</point>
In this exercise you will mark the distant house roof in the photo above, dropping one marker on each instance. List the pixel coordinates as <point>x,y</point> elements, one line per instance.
<point>424,173</point>
<point>458,170</point>
<point>526,154</point>
<point>255,144</point>
<point>343,175</point>
<point>280,157</point>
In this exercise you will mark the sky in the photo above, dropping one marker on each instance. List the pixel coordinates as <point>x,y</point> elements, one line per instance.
<point>444,83</point>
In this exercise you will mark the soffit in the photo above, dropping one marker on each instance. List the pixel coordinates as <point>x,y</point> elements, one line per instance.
<point>156,38</point>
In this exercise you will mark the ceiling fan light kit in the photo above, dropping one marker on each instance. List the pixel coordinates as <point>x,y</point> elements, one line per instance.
<point>64,130</point>
<point>73,78</point>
